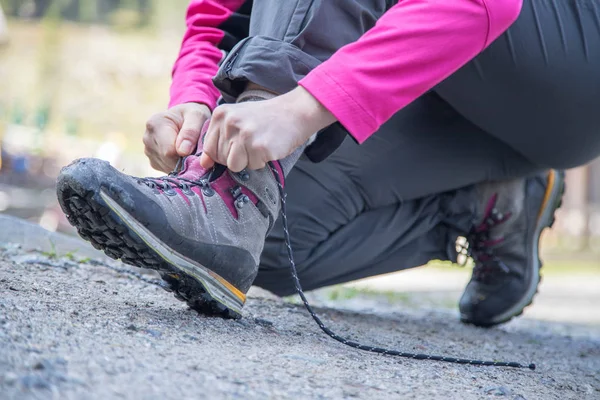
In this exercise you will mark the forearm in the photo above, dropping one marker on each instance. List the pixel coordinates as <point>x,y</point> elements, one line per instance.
<point>413,47</point>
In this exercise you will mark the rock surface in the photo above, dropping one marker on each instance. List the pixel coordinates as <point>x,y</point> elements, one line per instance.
<point>100,330</point>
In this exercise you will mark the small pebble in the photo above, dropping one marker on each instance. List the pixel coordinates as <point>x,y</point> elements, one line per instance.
<point>34,382</point>
<point>263,322</point>
<point>498,391</point>
<point>153,332</point>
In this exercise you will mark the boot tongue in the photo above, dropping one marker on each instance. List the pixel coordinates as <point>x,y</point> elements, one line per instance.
<point>192,169</point>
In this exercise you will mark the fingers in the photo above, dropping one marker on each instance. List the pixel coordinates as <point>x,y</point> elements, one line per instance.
<point>227,135</point>
<point>237,159</point>
<point>210,146</point>
<point>159,139</point>
<point>223,142</point>
<point>205,161</point>
<point>173,134</point>
<point>187,139</point>
<point>257,159</point>
<point>247,135</point>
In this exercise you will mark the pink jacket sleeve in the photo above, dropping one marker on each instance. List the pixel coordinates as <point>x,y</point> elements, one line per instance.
<point>199,56</point>
<point>414,46</point>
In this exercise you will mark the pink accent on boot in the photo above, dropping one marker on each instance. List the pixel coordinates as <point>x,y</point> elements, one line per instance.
<point>223,186</point>
<point>180,193</point>
<point>192,169</point>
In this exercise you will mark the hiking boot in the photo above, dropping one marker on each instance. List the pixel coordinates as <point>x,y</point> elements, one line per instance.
<point>504,246</point>
<point>202,230</point>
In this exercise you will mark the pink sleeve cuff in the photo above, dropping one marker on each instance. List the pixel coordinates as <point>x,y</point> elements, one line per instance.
<point>338,102</point>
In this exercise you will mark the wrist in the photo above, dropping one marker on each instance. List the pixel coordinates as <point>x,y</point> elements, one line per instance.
<point>309,111</point>
<point>196,104</point>
<point>191,104</point>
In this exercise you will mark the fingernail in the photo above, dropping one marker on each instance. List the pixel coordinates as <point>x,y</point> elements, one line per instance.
<point>185,147</point>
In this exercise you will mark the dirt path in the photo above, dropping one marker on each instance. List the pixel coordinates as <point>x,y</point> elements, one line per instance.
<point>83,331</point>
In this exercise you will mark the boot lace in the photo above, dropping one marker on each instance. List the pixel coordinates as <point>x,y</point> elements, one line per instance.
<point>174,181</point>
<point>369,348</point>
<point>480,245</point>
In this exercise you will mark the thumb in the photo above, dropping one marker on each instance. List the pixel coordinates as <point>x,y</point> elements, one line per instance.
<point>189,133</point>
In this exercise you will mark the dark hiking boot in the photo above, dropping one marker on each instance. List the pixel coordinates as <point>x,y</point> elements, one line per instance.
<point>505,246</point>
<point>202,230</point>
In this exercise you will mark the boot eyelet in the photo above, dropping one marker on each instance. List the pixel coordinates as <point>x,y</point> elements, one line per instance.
<point>236,191</point>
<point>243,175</point>
<point>241,201</point>
<point>185,189</point>
<point>208,192</point>
<point>169,191</point>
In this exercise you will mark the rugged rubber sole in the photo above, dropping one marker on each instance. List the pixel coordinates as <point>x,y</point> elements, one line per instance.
<point>102,226</point>
<point>546,218</point>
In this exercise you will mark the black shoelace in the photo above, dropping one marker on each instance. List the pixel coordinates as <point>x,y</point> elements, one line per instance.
<point>356,345</point>
<point>173,180</point>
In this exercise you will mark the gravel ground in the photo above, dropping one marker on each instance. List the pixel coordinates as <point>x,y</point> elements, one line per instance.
<point>73,330</point>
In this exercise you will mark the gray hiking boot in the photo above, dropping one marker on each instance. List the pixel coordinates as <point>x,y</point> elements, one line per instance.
<point>504,247</point>
<point>202,230</point>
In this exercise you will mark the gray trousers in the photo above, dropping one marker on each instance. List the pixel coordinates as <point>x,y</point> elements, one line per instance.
<point>529,102</point>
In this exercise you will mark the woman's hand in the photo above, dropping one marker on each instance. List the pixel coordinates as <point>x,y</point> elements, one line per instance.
<point>250,134</point>
<point>173,134</point>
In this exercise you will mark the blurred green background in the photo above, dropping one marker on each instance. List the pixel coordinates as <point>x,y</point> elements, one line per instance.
<point>88,69</point>
<point>78,78</point>
<point>81,77</point>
